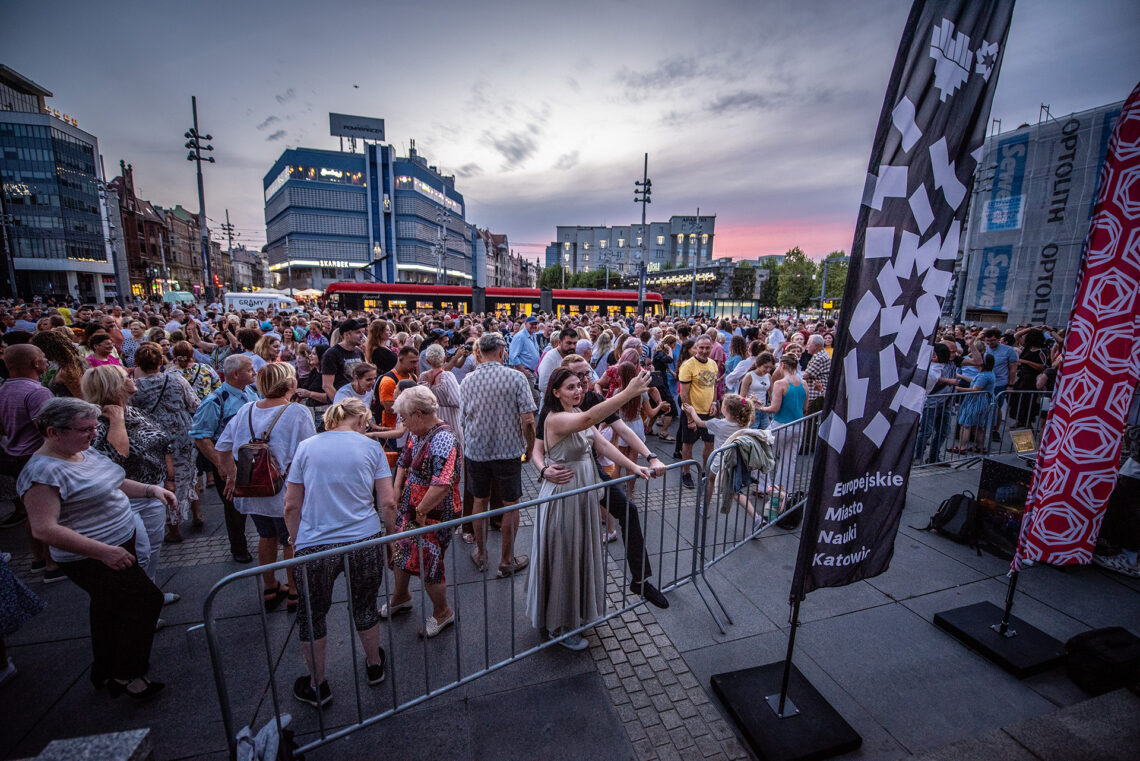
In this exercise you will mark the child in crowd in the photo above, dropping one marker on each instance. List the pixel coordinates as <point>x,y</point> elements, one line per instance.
<point>736,413</point>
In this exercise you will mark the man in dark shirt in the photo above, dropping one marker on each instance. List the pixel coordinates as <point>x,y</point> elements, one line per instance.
<point>336,365</point>
<point>614,500</point>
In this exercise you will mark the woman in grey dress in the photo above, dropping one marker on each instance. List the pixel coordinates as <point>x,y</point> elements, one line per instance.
<point>170,401</point>
<point>566,586</point>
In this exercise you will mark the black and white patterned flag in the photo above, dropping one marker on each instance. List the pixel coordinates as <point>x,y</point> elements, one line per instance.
<point>927,145</point>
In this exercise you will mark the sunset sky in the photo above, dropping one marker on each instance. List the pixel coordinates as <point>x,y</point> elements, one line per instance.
<point>760,112</point>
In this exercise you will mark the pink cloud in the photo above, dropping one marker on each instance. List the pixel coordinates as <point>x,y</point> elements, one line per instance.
<point>817,238</point>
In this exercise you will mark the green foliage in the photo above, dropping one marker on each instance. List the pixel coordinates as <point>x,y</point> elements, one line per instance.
<point>743,281</point>
<point>795,280</point>
<point>836,276</point>
<point>551,277</point>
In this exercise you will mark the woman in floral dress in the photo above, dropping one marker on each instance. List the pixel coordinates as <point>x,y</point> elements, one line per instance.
<point>427,492</point>
<point>199,375</point>
<point>168,399</point>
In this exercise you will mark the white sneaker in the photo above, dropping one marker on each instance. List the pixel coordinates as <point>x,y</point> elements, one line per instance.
<point>169,598</point>
<point>9,673</point>
<point>432,627</point>
<point>1118,564</point>
<point>575,642</point>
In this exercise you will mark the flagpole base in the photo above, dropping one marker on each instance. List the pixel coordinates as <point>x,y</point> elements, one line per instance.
<point>809,728</point>
<point>1023,650</point>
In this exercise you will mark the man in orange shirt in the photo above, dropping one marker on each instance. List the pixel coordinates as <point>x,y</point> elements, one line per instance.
<point>385,394</point>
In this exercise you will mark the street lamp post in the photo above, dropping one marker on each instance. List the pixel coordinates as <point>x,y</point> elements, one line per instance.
<point>194,141</point>
<point>695,255</point>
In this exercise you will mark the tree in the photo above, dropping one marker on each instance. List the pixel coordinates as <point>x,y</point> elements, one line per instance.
<point>797,280</point>
<point>743,282</point>
<point>836,276</point>
<point>770,288</point>
<point>551,277</point>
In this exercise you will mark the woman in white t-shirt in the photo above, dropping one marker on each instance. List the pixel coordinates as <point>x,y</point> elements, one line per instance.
<point>289,424</point>
<point>328,505</point>
<point>755,387</point>
<point>363,380</point>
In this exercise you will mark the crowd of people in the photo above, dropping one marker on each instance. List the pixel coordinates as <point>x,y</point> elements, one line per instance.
<point>328,429</point>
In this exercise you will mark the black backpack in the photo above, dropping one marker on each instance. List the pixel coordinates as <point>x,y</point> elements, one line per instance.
<point>959,519</point>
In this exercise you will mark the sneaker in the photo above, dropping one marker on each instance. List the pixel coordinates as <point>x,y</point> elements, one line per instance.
<point>610,537</point>
<point>160,624</point>
<point>14,519</point>
<point>687,481</point>
<point>9,672</point>
<point>376,674</point>
<point>53,575</point>
<point>1118,564</point>
<point>169,598</point>
<point>575,642</point>
<point>303,691</point>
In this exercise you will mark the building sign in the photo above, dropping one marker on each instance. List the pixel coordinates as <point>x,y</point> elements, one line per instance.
<point>992,278</point>
<point>344,125</point>
<point>1005,206</point>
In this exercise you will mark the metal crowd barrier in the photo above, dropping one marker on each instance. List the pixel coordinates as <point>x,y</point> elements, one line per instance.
<point>735,512</point>
<point>941,439</point>
<point>485,637</point>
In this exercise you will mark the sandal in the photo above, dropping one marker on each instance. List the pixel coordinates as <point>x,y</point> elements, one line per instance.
<point>666,437</point>
<point>292,601</point>
<point>479,559</point>
<point>518,563</point>
<point>272,597</point>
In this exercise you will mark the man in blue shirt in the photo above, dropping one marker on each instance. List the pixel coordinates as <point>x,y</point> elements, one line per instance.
<point>1005,368</point>
<point>209,422</point>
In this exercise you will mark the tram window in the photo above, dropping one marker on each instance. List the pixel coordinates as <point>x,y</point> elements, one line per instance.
<point>397,304</point>
<point>425,305</point>
<point>371,304</point>
<point>447,305</point>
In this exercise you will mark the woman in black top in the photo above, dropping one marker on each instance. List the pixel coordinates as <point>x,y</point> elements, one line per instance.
<point>1033,360</point>
<point>376,347</point>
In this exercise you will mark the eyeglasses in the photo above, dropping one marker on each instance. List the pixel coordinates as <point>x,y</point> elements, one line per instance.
<point>87,431</point>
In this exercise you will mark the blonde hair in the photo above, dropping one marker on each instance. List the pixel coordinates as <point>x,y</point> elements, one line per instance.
<point>103,384</point>
<point>737,410</point>
<point>274,380</point>
<point>415,399</point>
<point>264,348</point>
<point>342,411</point>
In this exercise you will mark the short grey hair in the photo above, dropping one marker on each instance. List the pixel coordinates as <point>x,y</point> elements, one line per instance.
<point>415,399</point>
<point>63,412</point>
<point>489,343</point>
<point>234,362</point>
<point>816,340</point>
<point>434,355</point>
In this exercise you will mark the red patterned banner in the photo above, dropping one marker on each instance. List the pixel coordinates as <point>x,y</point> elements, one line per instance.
<point>1080,449</point>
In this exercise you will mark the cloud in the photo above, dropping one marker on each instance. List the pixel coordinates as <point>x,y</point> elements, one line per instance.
<point>514,147</point>
<point>268,121</point>
<point>276,136</point>
<point>567,161</point>
<point>469,170</point>
<point>668,73</point>
<point>742,100</point>
<point>286,96</point>
<point>573,84</point>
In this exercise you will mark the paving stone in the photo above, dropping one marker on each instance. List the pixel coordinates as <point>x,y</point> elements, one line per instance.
<point>649,650</point>
<point>643,672</point>
<point>676,692</point>
<point>657,663</point>
<point>637,658</point>
<point>611,681</point>
<point>636,627</point>
<point>662,702</point>
<point>688,681</point>
<point>629,646</point>
<point>681,738</point>
<point>605,666</point>
<point>642,639</point>
<point>618,656</point>
<point>648,716</point>
<point>620,697</point>
<point>661,640</point>
<point>708,712</point>
<point>671,719</point>
<point>734,750</point>
<point>666,677</point>
<point>652,687</point>
<point>658,735</point>
<point>639,699</point>
<point>623,670</point>
<point>720,730</point>
<point>626,713</point>
<point>645,750</point>
<point>668,753</point>
<point>634,730</point>
<point>631,684</point>
<point>708,746</point>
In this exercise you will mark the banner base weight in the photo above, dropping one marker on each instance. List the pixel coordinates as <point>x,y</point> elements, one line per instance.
<point>814,732</point>
<point>1029,651</point>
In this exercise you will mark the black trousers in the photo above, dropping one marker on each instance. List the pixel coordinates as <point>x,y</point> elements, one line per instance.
<point>235,521</point>
<point>626,516</point>
<point>1121,527</point>
<point>124,609</point>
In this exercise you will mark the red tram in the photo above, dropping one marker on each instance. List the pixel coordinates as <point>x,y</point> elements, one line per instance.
<point>457,298</point>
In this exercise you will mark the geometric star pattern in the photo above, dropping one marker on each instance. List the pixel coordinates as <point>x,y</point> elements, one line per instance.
<point>1080,447</point>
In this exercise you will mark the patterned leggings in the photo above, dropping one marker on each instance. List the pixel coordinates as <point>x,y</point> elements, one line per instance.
<point>366,573</point>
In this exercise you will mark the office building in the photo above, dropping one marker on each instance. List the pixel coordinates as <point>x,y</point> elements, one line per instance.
<point>621,249</point>
<point>336,215</point>
<point>53,217</point>
<point>1029,214</point>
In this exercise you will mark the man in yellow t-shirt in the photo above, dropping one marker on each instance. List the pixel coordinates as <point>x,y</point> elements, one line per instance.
<point>697,376</point>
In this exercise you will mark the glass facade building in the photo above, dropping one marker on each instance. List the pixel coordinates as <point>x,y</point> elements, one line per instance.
<point>659,244</point>
<point>50,174</point>
<point>334,216</point>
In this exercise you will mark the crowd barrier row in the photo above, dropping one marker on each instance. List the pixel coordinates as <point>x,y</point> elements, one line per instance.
<point>491,629</point>
<point>686,532</point>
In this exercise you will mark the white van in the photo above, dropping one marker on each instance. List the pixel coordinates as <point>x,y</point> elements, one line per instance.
<point>251,302</point>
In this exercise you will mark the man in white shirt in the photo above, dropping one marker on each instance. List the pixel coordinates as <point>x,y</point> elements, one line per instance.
<point>552,360</point>
<point>775,338</point>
